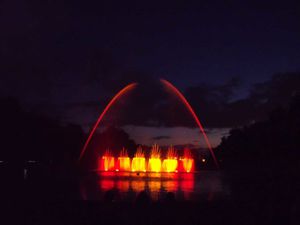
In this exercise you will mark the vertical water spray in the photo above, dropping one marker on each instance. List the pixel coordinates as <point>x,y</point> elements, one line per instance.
<point>123,163</point>
<point>138,163</point>
<point>170,164</point>
<point>107,161</point>
<point>154,164</point>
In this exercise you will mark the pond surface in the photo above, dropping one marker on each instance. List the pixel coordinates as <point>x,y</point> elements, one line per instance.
<point>124,186</point>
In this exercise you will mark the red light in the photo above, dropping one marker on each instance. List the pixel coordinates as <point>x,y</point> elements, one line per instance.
<point>107,163</point>
<point>115,98</point>
<point>188,164</point>
<point>155,162</point>
<point>138,163</point>
<point>189,107</point>
<point>123,164</point>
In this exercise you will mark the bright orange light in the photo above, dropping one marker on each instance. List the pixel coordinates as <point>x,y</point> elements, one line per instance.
<point>107,163</point>
<point>155,161</point>
<point>138,185</point>
<point>170,165</point>
<point>123,161</point>
<point>154,187</point>
<point>123,164</point>
<point>187,161</point>
<point>139,152</point>
<point>138,163</point>
<point>188,164</point>
<point>155,164</point>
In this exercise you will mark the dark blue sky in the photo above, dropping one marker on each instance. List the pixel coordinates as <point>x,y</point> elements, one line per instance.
<point>210,45</point>
<point>195,43</point>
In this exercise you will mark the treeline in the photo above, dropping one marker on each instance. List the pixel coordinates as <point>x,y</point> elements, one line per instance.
<point>261,163</point>
<point>273,143</point>
<point>26,136</point>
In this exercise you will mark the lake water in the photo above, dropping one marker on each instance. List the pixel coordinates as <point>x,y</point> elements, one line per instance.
<point>124,186</point>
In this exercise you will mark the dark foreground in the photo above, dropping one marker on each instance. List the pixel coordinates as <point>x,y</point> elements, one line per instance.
<point>49,200</point>
<point>169,212</point>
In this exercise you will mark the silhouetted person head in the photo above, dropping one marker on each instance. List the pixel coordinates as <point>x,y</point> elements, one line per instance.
<point>110,196</point>
<point>143,198</point>
<point>170,197</point>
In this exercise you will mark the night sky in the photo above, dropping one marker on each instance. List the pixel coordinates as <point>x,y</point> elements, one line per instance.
<point>234,61</point>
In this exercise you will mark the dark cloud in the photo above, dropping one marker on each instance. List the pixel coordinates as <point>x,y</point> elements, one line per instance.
<point>214,107</point>
<point>161,137</point>
<point>151,105</point>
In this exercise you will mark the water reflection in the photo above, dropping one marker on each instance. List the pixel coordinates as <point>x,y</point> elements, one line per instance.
<point>155,184</point>
<point>126,185</point>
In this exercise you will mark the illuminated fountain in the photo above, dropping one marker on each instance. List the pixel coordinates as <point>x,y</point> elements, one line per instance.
<point>187,162</point>
<point>154,164</point>
<point>123,163</point>
<point>155,169</point>
<point>172,162</point>
<point>138,162</point>
<point>107,162</point>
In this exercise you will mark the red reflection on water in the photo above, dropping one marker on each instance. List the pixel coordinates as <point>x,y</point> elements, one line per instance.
<point>106,184</point>
<point>123,185</point>
<point>187,185</point>
<point>154,183</point>
<point>154,188</point>
<point>138,185</point>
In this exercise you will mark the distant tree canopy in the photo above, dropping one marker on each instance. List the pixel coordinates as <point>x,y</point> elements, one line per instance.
<point>27,136</point>
<point>272,143</point>
<point>113,139</point>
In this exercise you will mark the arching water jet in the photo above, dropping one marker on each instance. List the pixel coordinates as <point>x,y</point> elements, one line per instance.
<point>189,107</point>
<point>112,101</point>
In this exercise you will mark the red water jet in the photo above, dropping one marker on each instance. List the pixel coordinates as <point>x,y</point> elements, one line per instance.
<point>112,101</point>
<point>189,107</point>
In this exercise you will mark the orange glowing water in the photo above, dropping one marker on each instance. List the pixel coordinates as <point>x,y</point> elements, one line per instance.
<point>108,163</point>
<point>154,164</point>
<point>187,161</point>
<point>138,163</point>
<point>170,164</point>
<point>188,164</point>
<point>123,163</point>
